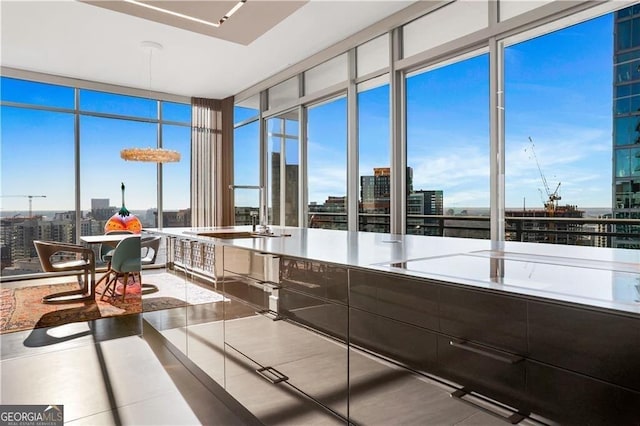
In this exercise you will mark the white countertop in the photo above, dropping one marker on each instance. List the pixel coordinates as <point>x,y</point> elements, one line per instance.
<point>597,277</point>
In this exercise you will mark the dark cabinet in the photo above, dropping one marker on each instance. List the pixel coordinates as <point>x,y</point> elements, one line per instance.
<point>319,314</point>
<point>483,317</point>
<point>267,393</point>
<point>315,279</point>
<point>570,364</point>
<point>498,375</point>
<point>598,344</point>
<point>571,398</point>
<point>282,341</point>
<point>404,299</point>
<point>406,343</point>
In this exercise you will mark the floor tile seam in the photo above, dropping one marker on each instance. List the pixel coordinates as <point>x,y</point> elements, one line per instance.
<point>77,419</point>
<point>48,352</point>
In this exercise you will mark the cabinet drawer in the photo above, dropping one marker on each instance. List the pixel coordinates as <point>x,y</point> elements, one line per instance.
<point>246,289</point>
<point>496,374</point>
<point>485,318</point>
<point>598,344</point>
<point>319,314</point>
<point>255,265</point>
<point>315,279</point>
<point>570,398</point>
<point>408,344</point>
<point>409,300</point>
<point>271,403</point>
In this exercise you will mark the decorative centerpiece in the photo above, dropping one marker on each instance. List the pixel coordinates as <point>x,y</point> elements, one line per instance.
<point>123,220</point>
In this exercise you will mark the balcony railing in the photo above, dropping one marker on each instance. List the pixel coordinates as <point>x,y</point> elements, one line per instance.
<point>601,232</point>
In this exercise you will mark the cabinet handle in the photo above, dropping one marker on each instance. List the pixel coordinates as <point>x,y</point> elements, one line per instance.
<point>514,418</point>
<point>269,314</point>
<point>509,359</point>
<point>272,375</point>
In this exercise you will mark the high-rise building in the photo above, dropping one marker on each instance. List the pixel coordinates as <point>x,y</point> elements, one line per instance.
<point>100,209</point>
<point>375,191</point>
<point>424,202</point>
<point>626,124</point>
<point>547,230</point>
<point>99,203</point>
<point>290,189</point>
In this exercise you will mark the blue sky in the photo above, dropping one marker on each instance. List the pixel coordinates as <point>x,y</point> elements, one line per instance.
<point>558,92</point>
<point>38,151</point>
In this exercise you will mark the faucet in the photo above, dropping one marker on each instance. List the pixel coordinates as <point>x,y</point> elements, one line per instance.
<point>263,226</point>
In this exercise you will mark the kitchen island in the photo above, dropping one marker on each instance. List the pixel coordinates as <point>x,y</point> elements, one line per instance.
<point>522,330</point>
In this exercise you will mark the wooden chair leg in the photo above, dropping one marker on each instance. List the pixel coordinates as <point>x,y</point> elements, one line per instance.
<point>113,281</point>
<point>124,288</point>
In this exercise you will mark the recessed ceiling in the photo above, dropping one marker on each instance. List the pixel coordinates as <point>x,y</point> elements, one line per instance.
<point>80,40</point>
<point>247,23</point>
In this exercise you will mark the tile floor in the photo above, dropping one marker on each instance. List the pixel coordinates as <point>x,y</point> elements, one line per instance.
<point>110,371</point>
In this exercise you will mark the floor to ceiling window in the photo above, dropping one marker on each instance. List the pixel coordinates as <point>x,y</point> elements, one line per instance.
<point>448,149</point>
<point>102,171</point>
<point>327,164</point>
<point>246,159</point>
<point>373,155</point>
<point>283,168</point>
<point>558,148</point>
<point>39,164</point>
<point>626,125</point>
<point>176,202</point>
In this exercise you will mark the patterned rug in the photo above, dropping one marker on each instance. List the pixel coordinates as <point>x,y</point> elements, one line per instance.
<point>22,308</point>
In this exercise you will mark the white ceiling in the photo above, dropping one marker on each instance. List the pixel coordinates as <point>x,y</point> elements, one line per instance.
<point>79,40</point>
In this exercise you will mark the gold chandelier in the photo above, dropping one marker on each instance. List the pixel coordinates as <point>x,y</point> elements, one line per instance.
<point>156,155</point>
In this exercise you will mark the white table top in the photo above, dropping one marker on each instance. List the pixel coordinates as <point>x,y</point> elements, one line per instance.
<point>106,238</point>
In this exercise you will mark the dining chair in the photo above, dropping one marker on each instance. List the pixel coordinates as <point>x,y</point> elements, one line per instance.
<point>106,250</point>
<point>149,251</point>
<point>149,247</point>
<point>126,261</point>
<point>73,259</point>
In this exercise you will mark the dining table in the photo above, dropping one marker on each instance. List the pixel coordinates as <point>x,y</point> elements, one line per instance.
<point>108,239</point>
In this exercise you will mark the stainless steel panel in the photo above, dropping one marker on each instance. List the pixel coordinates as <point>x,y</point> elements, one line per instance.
<point>315,279</point>
<point>313,363</point>
<point>272,403</point>
<point>381,393</point>
<point>255,265</point>
<point>319,314</point>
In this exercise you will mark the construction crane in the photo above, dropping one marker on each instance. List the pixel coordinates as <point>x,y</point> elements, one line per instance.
<point>30,197</point>
<point>551,203</point>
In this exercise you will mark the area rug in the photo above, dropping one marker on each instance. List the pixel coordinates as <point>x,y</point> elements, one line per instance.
<point>22,308</point>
